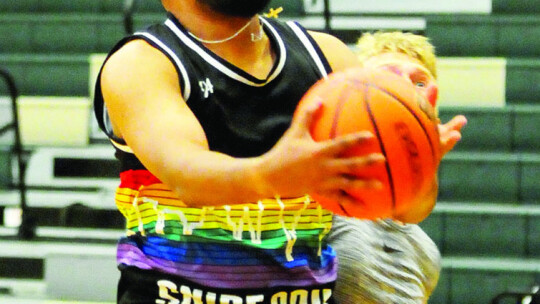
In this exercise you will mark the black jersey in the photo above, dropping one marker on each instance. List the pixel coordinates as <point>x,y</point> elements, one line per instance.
<point>266,251</point>
<point>241,115</point>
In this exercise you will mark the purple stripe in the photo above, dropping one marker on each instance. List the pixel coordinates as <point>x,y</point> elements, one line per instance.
<point>229,276</point>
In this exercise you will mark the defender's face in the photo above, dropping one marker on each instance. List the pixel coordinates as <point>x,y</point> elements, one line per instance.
<point>236,8</point>
<point>409,68</point>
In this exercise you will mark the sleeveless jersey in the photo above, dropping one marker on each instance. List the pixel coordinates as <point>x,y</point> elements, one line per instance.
<point>265,244</point>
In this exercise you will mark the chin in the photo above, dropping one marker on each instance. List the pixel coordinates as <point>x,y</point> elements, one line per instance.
<point>416,215</point>
<point>236,8</point>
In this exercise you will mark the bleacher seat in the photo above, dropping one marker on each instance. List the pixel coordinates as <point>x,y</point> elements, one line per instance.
<point>76,6</point>
<point>74,33</point>
<point>461,228</point>
<point>478,280</point>
<point>506,129</point>
<point>523,7</point>
<point>526,136</point>
<point>488,177</point>
<point>388,7</point>
<point>487,129</point>
<point>530,179</point>
<point>485,35</point>
<point>523,77</point>
<point>47,75</point>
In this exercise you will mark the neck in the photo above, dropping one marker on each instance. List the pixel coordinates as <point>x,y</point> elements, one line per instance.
<point>207,25</point>
<point>252,55</point>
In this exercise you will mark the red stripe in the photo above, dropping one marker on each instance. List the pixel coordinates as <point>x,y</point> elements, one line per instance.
<point>133,179</point>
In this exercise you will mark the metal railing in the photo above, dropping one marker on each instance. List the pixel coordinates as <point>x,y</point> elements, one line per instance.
<point>532,297</point>
<point>129,10</point>
<point>28,225</point>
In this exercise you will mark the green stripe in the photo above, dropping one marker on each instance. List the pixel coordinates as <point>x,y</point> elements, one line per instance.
<point>269,239</point>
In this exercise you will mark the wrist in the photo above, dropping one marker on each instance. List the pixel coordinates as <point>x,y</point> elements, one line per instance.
<point>258,178</point>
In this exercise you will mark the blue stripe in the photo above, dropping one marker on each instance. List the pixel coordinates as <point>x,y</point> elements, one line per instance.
<point>230,254</point>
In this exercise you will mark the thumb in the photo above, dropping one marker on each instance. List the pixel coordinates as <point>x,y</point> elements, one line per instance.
<point>308,115</point>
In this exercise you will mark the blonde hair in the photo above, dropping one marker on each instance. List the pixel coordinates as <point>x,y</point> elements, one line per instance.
<point>416,46</point>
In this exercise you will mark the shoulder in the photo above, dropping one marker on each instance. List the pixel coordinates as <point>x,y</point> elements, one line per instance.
<point>132,52</point>
<point>126,65</point>
<point>339,55</point>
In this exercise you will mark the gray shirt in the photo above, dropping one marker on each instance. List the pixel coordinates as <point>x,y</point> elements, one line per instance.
<point>383,262</point>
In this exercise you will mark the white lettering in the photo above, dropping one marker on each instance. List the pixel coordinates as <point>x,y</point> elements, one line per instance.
<point>316,296</point>
<point>206,87</point>
<point>299,296</point>
<point>210,298</point>
<point>196,296</point>
<point>279,298</point>
<point>327,293</point>
<point>254,299</point>
<point>164,288</point>
<point>230,299</point>
<point>169,294</point>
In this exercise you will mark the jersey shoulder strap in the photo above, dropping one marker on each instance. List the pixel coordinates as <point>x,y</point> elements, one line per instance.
<point>296,32</point>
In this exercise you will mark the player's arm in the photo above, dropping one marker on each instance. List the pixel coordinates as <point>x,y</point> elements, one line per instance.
<point>144,101</point>
<point>147,110</point>
<point>338,54</point>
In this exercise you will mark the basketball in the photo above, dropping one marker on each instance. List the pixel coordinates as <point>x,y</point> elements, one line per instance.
<point>406,134</point>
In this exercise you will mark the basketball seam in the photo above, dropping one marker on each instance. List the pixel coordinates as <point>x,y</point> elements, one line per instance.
<point>381,144</point>
<point>337,112</point>
<point>412,113</point>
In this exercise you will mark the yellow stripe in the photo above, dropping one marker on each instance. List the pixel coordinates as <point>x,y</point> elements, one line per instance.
<point>155,204</point>
<point>194,213</point>
<point>273,224</point>
<point>165,198</point>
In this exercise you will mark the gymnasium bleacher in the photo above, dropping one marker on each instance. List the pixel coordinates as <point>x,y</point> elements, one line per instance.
<point>487,221</point>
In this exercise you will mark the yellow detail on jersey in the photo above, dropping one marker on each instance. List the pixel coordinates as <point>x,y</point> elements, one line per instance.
<point>274,12</point>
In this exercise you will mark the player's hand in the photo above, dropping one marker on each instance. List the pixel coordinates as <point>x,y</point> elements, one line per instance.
<point>297,164</point>
<point>450,133</point>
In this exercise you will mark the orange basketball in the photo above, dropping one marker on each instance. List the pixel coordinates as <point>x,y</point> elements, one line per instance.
<point>388,106</point>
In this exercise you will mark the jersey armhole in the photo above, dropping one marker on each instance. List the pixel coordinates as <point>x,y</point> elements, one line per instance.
<point>312,47</point>
<point>99,104</point>
<point>175,60</point>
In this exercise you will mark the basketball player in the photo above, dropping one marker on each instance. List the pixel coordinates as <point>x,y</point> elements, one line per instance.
<point>387,261</point>
<point>214,174</point>
<point>214,168</point>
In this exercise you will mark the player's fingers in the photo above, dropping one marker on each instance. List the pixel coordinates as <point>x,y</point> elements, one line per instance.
<point>449,141</point>
<point>350,182</point>
<point>342,197</point>
<point>353,164</point>
<point>455,124</point>
<point>341,144</point>
<point>450,133</point>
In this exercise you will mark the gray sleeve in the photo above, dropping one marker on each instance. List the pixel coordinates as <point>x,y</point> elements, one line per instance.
<point>383,262</point>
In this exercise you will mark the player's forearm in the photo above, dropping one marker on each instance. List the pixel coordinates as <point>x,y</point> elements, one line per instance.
<point>205,178</point>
